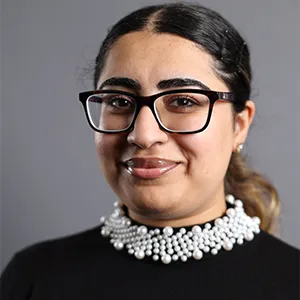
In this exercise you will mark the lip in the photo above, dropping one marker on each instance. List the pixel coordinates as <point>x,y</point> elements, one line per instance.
<point>149,167</point>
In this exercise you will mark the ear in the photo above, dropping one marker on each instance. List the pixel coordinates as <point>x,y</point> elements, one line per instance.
<point>243,121</point>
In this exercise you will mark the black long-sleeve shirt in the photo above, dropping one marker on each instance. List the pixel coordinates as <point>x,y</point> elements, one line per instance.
<point>85,266</point>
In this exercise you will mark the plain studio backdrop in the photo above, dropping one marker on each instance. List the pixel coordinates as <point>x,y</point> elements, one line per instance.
<point>51,184</point>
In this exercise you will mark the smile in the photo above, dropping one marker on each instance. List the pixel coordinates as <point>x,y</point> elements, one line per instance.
<point>149,168</point>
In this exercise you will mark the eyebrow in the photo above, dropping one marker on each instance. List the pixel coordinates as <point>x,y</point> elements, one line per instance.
<point>164,84</point>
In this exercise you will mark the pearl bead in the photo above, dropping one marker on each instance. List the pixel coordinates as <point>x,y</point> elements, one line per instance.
<point>140,254</point>
<point>230,199</point>
<point>148,252</point>
<point>131,251</point>
<point>155,257</point>
<point>168,240</point>
<point>119,245</point>
<point>227,246</point>
<point>102,220</point>
<point>190,247</point>
<point>257,230</point>
<point>185,251</point>
<point>170,251</point>
<point>196,229</point>
<point>217,240</point>
<point>219,222</point>
<point>175,257</point>
<point>206,249</point>
<point>185,237</point>
<point>105,232</point>
<point>182,231</point>
<point>249,236</point>
<point>156,231</point>
<point>240,241</point>
<point>207,242</point>
<point>214,251</point>
<point>197,254</point>
<point>142,230</point>
<point>238,203</point>
<point>183,245</point>
<point>256,220</point>
<point>168,231</point>
<point>180,240</point>
<point>177,248</point>
<point>166,259</point>
<point>230,212</point>
<point>218,247</point>
<point>156,250</point>
<point>208,226</point>
<point>183,258</point>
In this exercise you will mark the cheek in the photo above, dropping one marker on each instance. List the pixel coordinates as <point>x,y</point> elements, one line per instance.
<point>208,152</point>
<point>106,146</point>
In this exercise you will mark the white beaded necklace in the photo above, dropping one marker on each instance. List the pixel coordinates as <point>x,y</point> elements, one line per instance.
<point>166,245</point>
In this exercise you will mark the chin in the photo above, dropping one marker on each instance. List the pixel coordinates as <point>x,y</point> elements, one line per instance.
<point>152,206</point>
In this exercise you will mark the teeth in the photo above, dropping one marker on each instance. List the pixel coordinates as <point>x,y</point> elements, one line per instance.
<point>151,163</point>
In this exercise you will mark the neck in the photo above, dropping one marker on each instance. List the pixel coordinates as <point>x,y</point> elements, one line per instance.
<point>198,216</point>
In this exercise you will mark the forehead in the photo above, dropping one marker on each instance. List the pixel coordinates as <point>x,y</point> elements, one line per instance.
<point>150,57</point>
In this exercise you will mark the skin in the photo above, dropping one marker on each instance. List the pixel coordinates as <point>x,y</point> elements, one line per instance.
<point>192,193</point>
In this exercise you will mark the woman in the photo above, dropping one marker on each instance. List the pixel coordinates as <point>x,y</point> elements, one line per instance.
<point>171,111</point>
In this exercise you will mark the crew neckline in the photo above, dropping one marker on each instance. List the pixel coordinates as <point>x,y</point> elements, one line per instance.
<point>177,229</point>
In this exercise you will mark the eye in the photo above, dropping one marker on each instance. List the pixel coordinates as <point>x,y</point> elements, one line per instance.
<point>182,102</point>
<point>120,102</point>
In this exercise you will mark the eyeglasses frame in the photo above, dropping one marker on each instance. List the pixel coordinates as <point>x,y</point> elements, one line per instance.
<point>141,101</point>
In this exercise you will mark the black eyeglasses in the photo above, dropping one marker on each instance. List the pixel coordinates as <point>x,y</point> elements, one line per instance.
<point>179,111</point>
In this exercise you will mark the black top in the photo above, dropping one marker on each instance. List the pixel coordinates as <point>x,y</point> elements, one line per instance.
<point>86,266</point>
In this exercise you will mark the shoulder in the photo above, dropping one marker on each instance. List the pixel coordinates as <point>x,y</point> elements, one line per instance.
<point>274,246</point>
<point>57,249</point>
<point>277,264</point>
<point>36,262</point>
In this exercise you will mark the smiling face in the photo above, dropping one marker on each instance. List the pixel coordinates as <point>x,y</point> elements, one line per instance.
<point>193,191</point>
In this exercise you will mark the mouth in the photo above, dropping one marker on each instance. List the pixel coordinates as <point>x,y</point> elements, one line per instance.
<point>149,168</point>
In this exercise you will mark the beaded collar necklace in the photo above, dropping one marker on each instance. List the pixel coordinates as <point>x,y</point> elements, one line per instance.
<point>171,244</point>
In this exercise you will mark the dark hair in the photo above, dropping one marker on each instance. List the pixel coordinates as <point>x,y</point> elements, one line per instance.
<point>216,36</point>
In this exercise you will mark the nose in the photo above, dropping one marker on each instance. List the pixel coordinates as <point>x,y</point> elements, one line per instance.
<point>146,131</point>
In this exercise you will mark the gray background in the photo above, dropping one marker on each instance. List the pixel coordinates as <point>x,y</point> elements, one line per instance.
<point>51,184</point>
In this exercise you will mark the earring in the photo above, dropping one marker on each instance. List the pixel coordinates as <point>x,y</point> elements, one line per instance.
<point>239,148</point>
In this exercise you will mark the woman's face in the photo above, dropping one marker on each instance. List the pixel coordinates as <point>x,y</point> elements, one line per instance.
<point>195,186</point>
